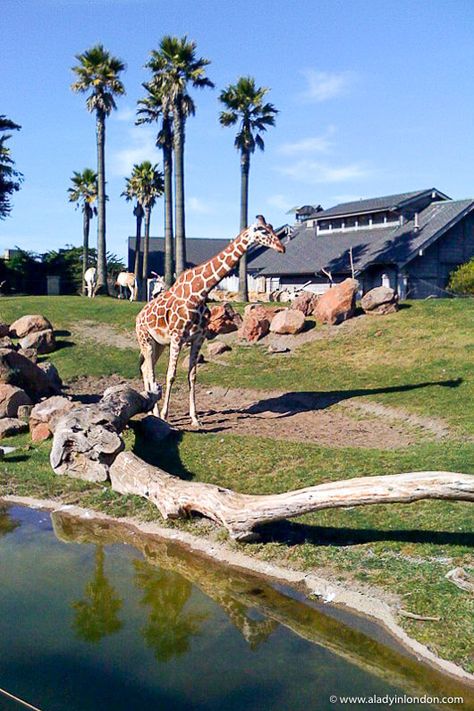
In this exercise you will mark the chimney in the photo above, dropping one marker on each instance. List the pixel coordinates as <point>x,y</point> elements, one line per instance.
<point>417,226</point>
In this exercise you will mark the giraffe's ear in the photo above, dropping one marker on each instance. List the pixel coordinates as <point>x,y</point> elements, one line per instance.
<point>261,220</point>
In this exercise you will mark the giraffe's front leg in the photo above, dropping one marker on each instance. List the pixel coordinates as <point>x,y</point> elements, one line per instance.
<point>175,348</point>
<point>193,359</point>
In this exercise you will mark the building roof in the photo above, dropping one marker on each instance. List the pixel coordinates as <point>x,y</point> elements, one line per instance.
<point>308,252</point>
<point>387,202</point>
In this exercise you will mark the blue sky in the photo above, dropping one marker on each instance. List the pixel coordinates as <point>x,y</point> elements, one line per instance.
<point>375,97</point>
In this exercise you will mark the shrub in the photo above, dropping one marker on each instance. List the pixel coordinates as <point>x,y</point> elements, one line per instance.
<point>462,279</point>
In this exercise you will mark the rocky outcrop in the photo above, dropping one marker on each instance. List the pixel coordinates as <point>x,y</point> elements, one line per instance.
<point>17,370</point>
<point>32,323</point>
<point>10,426</point>
<point>11,398</point>
<point>381,300</point>
<point>305,302</point>
<point>216,348</point>
<point>52,374</point>
<point>287,321</point>
<point>42,341</point>
<point>338,303</point>
<point>223,319</point>
<point>45,415</point>
<point>256,323</point>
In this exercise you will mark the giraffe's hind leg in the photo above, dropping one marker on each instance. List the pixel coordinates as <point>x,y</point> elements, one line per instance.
<point>175,348</point>
<point>150,352</point>
<point>193,358</point>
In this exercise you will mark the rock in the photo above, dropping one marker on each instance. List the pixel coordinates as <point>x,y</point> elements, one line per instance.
<point>17,370</point>
<point>11,397</point>
<point>338,303</point>
<point>215,348</point>
<point>47,413</point>
<point>30,353</point>
<point>152,428</point>
<point>381,300</point>
<point>223,319</point>
<point>24,412</point>
<point>42,341</point>
<point>40,432</point>
<point>256,323</point>
<point>305,303</point>
<point>274,350</point>
<point>52,374</point>
<point>29,324</point>
<point>287,321</point>
<point>6,342</point>
<point>10,426</point>
<point>4,329</point>
<point>185,361</point>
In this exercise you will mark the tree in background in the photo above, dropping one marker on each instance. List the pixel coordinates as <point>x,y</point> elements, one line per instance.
<point>67,263</point>
<point>461,280</point>
<point>146,185</point>
<point>156,107</point>
<point>98,73</point>
<point>10,179</point>
<point>244,104</point>
<point>174,67</point>
<point>84,193</point>
<point>131,193</point>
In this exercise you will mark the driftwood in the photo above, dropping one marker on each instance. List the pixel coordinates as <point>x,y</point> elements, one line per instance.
<point>241,514</point>
<point>87,439</point>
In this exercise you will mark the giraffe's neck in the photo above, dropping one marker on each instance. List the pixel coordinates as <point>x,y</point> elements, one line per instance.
<point>210,273</point>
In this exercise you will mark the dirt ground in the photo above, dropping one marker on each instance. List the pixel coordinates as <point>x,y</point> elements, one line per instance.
<point>319,418</point>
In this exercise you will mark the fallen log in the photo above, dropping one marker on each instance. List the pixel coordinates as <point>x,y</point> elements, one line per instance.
<point>87,439</point>
<point>241,514</point>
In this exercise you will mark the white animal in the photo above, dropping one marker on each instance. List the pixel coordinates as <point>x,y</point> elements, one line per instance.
<point>90,278</point>
<point>126,280</point>
<point>158,286</point>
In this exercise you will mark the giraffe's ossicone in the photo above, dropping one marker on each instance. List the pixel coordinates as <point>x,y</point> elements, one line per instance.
<point>179,316</point>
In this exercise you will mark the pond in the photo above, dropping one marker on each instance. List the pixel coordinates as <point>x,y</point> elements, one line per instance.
<point>94,615</point>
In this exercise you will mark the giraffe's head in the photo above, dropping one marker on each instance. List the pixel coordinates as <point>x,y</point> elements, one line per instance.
<point>262,233</point>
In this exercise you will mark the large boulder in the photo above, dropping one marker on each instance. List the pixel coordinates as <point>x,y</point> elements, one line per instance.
<point>42,341</point>
<point>338,303</point>
<point>287,321</point>
<point>32,323</point>
<point>381,300</point>
<point>10,426</point>
<point>45,415</point>
<point>216,348</point>
<point>52,374</point>
<point>223,319</point>
<point>305,302</point>
<point>17,370</point>
<point>11,398</point>
<point>256,323</point>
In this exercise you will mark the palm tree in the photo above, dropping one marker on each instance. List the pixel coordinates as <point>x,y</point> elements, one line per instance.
<point>152,108</point>
<point>131,193</point>
<point>84,193</point>
<point>98,73</point>
<point>244,103</point>
<point>10,178</point>
<point>175,66</point>
<point>146,185</point>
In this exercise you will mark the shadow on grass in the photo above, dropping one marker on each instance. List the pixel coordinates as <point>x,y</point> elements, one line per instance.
<point>62,333</point>
<point>291,534</point>
<point>164,454</point>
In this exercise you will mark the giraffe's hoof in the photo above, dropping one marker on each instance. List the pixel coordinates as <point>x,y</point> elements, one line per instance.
<point>195,422</point>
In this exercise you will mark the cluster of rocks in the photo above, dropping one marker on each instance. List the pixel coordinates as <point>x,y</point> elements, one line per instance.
<point>29,391</point>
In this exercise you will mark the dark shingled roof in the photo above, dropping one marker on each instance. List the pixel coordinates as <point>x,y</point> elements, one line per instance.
<point>386,202</point>
<point>308,252</point>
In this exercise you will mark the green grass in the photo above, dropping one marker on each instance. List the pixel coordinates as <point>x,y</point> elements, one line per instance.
<point>420,359</point>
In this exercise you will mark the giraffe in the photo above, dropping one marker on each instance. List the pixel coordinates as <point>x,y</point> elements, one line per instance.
<point>179,316</point>
<point>127,280</point>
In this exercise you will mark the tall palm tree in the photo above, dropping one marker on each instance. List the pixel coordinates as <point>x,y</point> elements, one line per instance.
<point>84,193</point>
<point>146,185</point>
<point>152,108</point>
<point>244,104</point>
<point>10,178</point>
<point>175,66</point>
<point>131,193</point>
<point>98,73</point>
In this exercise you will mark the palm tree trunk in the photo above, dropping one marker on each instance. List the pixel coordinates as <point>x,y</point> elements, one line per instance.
<point>244,219</point>
<point>146,249</point>
<point>85,244</point>
<point>101,240</point>
<point>168,184</point>
<point>179,192</point>
<point>138,212</point>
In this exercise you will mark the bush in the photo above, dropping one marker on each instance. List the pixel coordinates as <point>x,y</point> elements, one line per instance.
<point>462,279</point>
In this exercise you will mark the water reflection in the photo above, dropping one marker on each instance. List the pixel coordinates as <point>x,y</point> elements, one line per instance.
<point>166,577</point>
<point>96,616</point>
<point>7,523</point>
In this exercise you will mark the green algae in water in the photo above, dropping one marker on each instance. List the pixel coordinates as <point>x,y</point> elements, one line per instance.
<point>96,616</point>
